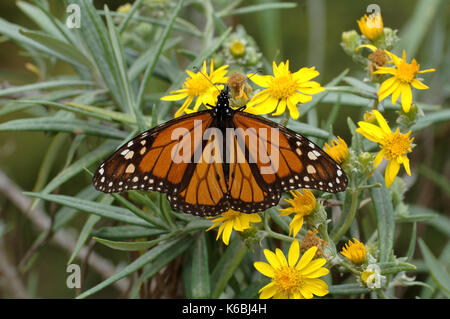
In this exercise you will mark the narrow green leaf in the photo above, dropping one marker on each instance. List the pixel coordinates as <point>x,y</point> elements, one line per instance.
<point>441,223</point>
<point>396,267</point>
<point>44,86</point>
<point>160,45</point>
<point>347,289</point>
<point>107,211</point>
<point>437,270</point>
<point>200,281</point>
<point>84,236</point>
<point>430,119</point>
<point>55,124</point>
<point>146,258</point>
<point>259,7</point>
<point>384,213</point>
<point>226,266</point>
<point>415,30</point>
<point>96,40</point>
<point>134,245</point>
<point>153,268</point>
<point>61,49</point>
<point>126,232</point>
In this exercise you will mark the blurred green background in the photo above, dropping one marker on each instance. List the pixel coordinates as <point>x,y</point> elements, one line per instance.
<point>307,35</point>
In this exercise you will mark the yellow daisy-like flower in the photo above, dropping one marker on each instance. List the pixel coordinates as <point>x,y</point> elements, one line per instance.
<point>301,205</point>
<point>404,75</point>
<point>291,279</point>
<point>338,150</point>
<point>371,26</point>
<point>394,146</point>
<point>199,86</point>
<point>355,251</point>
<point>232,220</point>
<point>283,89</point>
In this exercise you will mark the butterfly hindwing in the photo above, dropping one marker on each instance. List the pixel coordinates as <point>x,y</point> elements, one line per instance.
<point>292,161</point>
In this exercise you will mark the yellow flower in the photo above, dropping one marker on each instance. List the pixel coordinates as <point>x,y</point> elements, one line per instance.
<point>291,279</point>
<point>338,150</point>
<point>232,220</point>
<point>301,205</point>
<point>394,146</point>
<point>354,251</point>
<point>284,89</point>
<point>371,26</point>
<point>404,75</point>
<point>199,85</point>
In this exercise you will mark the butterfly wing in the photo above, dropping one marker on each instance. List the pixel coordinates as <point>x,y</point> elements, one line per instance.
<point>146,162</point>
<point>288,160</point>
<point>206,192</point>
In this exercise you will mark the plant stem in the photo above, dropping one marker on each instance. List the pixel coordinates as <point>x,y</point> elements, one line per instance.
<point>350,216</point>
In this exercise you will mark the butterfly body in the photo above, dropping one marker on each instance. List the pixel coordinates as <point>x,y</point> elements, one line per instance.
<point>213,160</point>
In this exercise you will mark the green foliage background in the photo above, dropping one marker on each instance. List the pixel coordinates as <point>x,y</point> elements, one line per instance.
<point>47,152</point>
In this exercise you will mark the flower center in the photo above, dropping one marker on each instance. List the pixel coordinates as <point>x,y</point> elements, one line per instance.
<point>197,85</point>
<point>283,87</point>
<point>407,72</point>
<point>396,145</point>
<point>288,279</point>
<point>237,48</point>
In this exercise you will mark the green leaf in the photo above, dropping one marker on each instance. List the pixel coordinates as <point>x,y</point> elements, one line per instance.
<point>124,82</point>
<point>415,30</point>
<point>416,213</point>
<point>106,211</point>
<point>134,245</point>
<point>96,40</point>
<point>441,223</point>
<point>44,86</point>
<point>226,266</point>
<point>317,98</point>
<point>84,236</point>
<point>126,232</point>
<point>61,49</point>
<point>258,8</point>
<point>395,267</point>
<point>200,280</point>
<point>154,59</point>
<point>55,124</point>
<point>430,119</point>
<point>153,268</point>
<point>437,270</point>
<point>143,260</point>
<point>347,289</point>
<point>385,216</point>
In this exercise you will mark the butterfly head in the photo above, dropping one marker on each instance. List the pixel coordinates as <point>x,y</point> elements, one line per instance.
<point>223,100</point>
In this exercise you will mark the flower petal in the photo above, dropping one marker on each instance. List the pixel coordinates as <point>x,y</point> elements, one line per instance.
<point>313,266</point>
<point>318,273</point>
<point>406,164</point>
<point>293,110</point>
<point>419,85</point>
<point>281,257</point>
<point>387,87</point>
<point>261,80</point>
<point>406,97</point>
<point>264,268</point>
<point>317,287</point>
<point>272,259</point>
<point>383,124</point>
<point>391,172</point>
<point>268,291</point>
<point>294,253</point>
<point>306,258</point>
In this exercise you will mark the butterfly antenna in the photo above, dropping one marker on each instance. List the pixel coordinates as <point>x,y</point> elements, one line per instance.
<point>196,69</point>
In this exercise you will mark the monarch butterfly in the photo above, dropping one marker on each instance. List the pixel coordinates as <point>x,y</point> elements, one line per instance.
<point>209,182</point>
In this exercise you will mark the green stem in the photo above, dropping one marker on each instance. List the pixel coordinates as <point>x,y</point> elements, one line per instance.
<point>349,217</point>
<point>273,234</point>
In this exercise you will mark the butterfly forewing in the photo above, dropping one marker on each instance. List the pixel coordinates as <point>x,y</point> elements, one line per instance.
<point>146,162</point>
